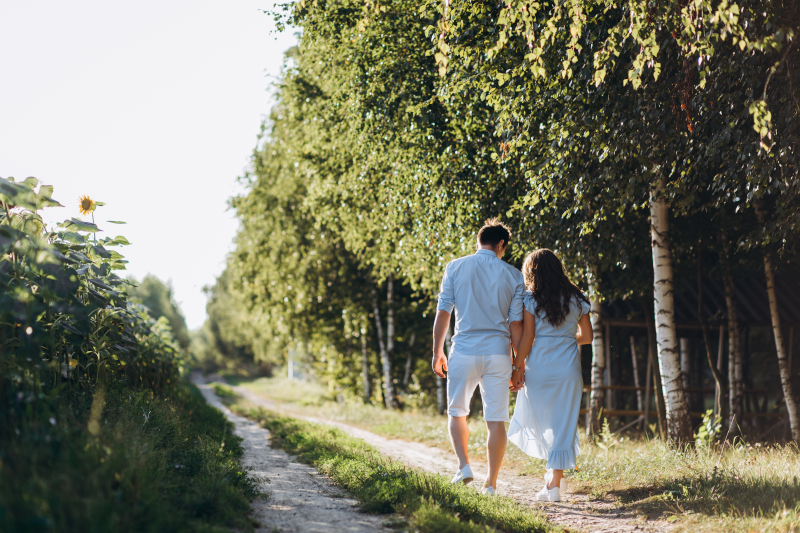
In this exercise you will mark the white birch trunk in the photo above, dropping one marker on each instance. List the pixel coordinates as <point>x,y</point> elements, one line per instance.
<point>409,361</point>
<point>783,359</point>
<point>686,362</point>
<point>387,362</point>
<point>598,362</point>
<point>607,353</point>
<point>679,426</point>
<point>634,359</point>
<point>735,377</point>
<point>387,367</point>
<point>365,365</point>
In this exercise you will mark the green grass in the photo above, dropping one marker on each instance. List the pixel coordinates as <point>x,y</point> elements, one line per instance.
<point>152,465</point>
<point>428,502</point>
<point>740,488</point>
<point>412,424</point>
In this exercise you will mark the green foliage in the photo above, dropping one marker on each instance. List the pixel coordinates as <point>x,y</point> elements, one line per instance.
<point>400,127</point>
<point>96,434</point>
<point>386,486</point>
<point>157,297</point>
<point>607,439</point>
<point>708,430</point>
<point>157,464</point>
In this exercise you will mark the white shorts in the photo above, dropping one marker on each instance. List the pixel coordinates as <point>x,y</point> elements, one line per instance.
<point>491,372</point>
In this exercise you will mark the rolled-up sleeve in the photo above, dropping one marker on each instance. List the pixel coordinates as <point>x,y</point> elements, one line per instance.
<point>515,311</point>
<point>447,298</point>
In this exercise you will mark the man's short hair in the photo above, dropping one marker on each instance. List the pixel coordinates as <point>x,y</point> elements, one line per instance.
<point>494,231</point>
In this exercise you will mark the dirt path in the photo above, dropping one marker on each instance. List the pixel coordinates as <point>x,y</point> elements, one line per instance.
<point>300,498</point>
<point>576,512</point>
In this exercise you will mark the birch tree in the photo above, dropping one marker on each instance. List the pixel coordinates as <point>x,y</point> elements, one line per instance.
<point>598,363</point>
<point>679,426</point>
<point>735,374</point>
<point>783,361</point>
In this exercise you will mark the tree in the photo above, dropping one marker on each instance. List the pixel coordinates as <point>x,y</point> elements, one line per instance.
<point>158,298</point>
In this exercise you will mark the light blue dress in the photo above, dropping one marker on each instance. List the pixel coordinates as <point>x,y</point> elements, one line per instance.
<point>545,422</point>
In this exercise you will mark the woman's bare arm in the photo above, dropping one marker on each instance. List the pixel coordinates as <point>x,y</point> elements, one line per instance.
<point>526,340</point>
<point>585,334</point>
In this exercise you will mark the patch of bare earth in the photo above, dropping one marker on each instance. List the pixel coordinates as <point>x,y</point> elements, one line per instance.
<point>577,512</point>
<point>300,498</point>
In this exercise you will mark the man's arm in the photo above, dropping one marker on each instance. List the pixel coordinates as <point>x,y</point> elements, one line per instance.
<point>440,327</point>
<point>515,328</point>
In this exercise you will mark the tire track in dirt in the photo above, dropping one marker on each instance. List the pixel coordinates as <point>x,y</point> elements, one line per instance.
<point>576,512</point>
<point>301,500</point>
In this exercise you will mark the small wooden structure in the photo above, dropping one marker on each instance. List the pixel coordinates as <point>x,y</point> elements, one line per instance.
<point>627,343</point>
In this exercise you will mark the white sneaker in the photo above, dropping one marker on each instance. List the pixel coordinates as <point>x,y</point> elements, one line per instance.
<point>488,491</point>
<point>463,476</point>
<point>549,495</point>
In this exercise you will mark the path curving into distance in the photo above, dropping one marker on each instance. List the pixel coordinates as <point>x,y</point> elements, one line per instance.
<point>301,500</point>
<point>576,512</point>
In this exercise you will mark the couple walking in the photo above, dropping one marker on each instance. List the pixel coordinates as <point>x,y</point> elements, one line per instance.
<point>496,305</point>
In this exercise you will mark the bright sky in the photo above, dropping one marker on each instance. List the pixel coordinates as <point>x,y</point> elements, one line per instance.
<point>152,107</point>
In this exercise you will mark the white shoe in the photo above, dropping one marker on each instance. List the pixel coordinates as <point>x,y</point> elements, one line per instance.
<point>463,476</point>
<point>549,495</point>
<point>488,491</point>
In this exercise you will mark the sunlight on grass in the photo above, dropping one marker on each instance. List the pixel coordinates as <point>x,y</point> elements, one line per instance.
<point>417,425</point>
<point>427,502</point>
<point>741,488</point>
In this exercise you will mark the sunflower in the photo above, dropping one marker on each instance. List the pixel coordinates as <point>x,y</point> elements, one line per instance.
<point>86,205</point>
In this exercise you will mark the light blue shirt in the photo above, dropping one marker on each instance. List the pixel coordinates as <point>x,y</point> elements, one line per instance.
<point>486,293</point>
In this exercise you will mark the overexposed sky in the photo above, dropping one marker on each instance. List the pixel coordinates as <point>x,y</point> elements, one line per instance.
<point>152,107</point>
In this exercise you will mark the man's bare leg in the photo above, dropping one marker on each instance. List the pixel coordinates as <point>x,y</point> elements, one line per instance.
<point>459,436</point>
<point>495,450</point>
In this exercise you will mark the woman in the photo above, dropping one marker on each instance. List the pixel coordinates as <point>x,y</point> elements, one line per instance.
<point>545,419</point>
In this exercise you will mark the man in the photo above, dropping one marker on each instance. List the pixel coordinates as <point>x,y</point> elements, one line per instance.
<point>486,293</point>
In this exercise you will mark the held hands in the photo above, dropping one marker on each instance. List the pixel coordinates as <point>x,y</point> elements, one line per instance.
<point>517,377</point>
<point>438,363</point>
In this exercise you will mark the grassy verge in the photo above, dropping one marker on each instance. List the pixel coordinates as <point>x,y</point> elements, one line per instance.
<point>418,425</point>
<point>427,502</point>
<point>738,488</point>
<point>146,464</point>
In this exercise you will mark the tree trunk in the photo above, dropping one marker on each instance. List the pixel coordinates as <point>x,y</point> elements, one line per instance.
<point>652,362</point>
<point>647,377</point>
<point>679,425</point>
<point>607,353</point>
<point>707,340</point>
<point>783,360</point>
<point>365,365</point>
<point>409,360</point>
<point>388,390</point>
<point>686,362</point>
<point>639,400</point>
<point>735,378</point>
<point>598,363</point>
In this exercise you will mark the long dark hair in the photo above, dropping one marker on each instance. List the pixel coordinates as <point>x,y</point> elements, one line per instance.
<point>552,290</point>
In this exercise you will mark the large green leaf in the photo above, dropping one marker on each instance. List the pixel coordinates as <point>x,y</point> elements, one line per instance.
<point>79,225</point>
<point>17,195</point>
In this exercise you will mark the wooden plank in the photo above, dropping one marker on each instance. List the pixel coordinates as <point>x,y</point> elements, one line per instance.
<point>587,388</point>
<point>612,413</point>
